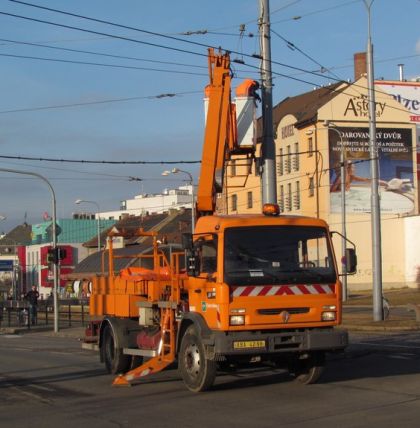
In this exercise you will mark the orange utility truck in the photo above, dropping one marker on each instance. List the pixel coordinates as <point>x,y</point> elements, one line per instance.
<point>243,289</point>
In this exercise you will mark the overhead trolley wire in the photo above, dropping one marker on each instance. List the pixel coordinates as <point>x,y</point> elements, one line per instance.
<point>131,162</point>
<point>169,47</point>
<point>101,54</point>
<point>113,100</point>
<point>178,39</point>
<point>114,36</point>
<point>129,67</point>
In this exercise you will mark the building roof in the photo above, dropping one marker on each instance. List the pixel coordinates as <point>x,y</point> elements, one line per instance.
<point>305,106</point>
<point>169,226</point>
<point>74,230</point>
<point>147,222</point>
<point>20,235</point>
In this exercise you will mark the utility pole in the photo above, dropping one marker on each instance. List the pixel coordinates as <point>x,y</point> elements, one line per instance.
<point>378,314</point>
<point>268,151</point>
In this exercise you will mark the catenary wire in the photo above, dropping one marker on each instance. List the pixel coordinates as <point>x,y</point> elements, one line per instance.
<point>157,45</point>
<point>130,162</point>
<point>113,100</point>
<point>41,45</point>
<point>127,67</point>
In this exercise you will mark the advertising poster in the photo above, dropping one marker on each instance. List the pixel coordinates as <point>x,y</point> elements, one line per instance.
<point>396,175</point>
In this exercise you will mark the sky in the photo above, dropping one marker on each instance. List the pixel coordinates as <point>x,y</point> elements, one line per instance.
<point>78,89</point>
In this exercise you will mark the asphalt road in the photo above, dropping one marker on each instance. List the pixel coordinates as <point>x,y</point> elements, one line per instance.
<point>51,382</point>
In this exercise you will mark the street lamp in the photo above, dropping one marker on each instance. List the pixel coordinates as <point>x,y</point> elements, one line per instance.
<point>54,235</point>
<point>343,205</point>
<point>81,201</point>
<point>191,183</point>
<point>343,208</point>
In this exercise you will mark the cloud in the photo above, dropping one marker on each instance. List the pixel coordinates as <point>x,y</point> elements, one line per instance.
<point>418,46</point>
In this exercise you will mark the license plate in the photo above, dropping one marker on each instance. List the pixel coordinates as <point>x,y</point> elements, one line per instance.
<point>249,344</point>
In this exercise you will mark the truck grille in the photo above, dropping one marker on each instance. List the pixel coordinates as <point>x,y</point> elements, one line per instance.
<point>277,311</point>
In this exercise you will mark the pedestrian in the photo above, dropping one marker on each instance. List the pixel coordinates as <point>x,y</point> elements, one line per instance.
<point>32,297</point>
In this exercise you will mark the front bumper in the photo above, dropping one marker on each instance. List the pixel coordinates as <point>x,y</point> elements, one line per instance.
<point>269,342</point>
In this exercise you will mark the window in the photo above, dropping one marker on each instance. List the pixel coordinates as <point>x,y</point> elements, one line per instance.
<point>280,165</point>
<point>297,195</point>
<point>289,160</point>
<point>310,147</point>
<point>281,199</point>
<point>208,256</point>
<point>264,255</point>
<point>296,162</point>
<point>233,167</point>
<point>249,200</point>
<point>234,202</point>
<point>289,197</point>
<point>311,186</point>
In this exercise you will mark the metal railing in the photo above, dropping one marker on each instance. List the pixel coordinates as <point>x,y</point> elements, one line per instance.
<point>71,312</point>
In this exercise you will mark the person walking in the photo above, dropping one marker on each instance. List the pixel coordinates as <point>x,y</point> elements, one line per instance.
<point>32,297</point>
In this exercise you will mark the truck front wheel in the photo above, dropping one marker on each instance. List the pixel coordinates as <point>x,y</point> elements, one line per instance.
<point>308,370</point>
<point>115,361</point>
<point>197,372</point>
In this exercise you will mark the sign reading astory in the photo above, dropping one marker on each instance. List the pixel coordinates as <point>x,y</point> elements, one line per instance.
<point>396,175</point>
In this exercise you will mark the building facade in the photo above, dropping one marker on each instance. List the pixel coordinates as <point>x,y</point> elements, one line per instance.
<point>153,203</point>
<point>314,132</point>
<point>32,262</point>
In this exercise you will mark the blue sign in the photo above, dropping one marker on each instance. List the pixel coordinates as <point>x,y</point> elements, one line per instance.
<point>6,265</point>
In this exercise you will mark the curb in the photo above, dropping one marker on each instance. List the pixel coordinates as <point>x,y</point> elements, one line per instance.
<point>380,328</point>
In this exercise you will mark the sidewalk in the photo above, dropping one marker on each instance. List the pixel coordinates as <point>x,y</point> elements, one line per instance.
<point>47,330</point>
<point>358,311</point>
<point>362,320</point>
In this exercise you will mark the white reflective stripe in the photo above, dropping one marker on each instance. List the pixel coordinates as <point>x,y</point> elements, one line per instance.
<point>329,289</point>
<point>256,291</point>
<point>273,291</point>
<point>238,291</point>
<point>295,289</point>
<point>311,289</point>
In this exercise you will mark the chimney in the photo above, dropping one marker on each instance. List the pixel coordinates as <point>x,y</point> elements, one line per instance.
<point>401,69</point>
<point>360,66</point>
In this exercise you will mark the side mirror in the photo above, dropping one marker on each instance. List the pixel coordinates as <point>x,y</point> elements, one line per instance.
<point>351,261</point>
<point>187,241</point>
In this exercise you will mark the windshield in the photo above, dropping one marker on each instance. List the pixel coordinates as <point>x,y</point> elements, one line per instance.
<point>277,255</point>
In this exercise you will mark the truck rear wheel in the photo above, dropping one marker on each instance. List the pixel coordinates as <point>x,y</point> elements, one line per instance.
<point>197,372</point>
<point>115,361</point>
<point>309,370</point>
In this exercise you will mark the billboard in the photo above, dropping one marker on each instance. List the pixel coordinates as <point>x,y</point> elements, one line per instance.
<point>406,93</point>
<point>396,175</point>
<point>6,265</point>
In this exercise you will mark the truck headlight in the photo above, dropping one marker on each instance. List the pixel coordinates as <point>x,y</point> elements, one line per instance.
<point>328,316</point>
<point>237,320</point>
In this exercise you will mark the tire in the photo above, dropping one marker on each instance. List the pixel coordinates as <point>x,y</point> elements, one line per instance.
<point>115,361</point>
<point>197,372</point>
<point>309,370</point>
